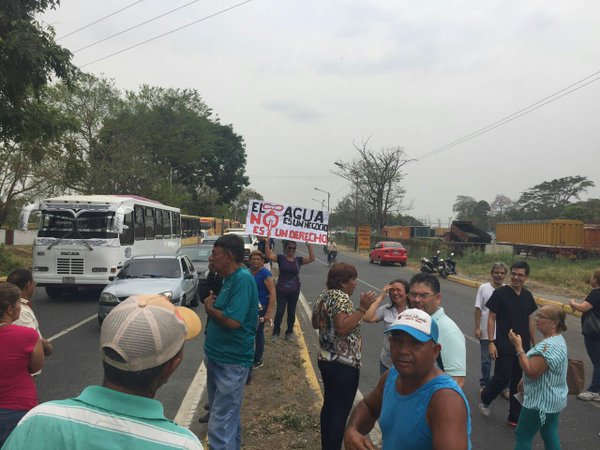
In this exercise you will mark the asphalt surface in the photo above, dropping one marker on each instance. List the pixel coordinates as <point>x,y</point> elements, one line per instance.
<point>75,363</point>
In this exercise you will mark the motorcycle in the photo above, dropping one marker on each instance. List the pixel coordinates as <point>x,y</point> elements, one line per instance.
<point>450,264</point>
<point>434,265</point>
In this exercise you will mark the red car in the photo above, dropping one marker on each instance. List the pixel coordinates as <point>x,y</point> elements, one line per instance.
<point>388,252</point>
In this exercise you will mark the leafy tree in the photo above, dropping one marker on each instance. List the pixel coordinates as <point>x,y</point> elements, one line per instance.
<point>29,58</point>
<point>238,208</point>
<point>467,208</point>
<point>548,199</point>
<point>347,214</point>
<point>587,211</point>
<point>377,177</point>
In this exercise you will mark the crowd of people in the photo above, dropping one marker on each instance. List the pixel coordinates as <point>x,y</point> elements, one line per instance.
<point>418,400</point>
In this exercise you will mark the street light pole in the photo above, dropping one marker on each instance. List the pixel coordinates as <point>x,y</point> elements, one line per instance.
<point>354,182</point>
<point>328,196</point>
<point>320,202</point>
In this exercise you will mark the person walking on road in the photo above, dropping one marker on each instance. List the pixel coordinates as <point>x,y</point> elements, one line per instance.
<point>417,405</point>
<point>288,284</point>
<point>340,343</point>
<point>544,380</point>
<point>511,308</point>
<point>425,294</point>
<point>590,307</point>
<point>141,343</point>
<point>21,355</point>
<point>23,279</point>
<point>331,252</point>
<point>485,291</point>
<point>398,291</point>
<point>229,342</point>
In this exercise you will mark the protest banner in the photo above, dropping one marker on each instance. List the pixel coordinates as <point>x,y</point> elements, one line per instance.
<point>280,221</point>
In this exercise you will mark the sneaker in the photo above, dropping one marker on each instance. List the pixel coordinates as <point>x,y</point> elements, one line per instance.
<point>512,424</point>
<point>505,394</point>
<point>204,418</point>
<point>258,364</point>
<point>485,409</point>
<point>587,396</point>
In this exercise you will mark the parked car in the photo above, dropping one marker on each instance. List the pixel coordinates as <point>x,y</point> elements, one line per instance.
<point>211,239</point>
<point>250,243</point>
<point>388,252</point>
<point>172,276</point>
<point>199,254</point>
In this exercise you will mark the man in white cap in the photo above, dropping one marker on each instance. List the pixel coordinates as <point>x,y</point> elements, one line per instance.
<point>141,342</point>
<point>418,405</point>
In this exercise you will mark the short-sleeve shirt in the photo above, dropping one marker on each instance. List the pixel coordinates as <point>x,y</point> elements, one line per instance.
<point>335,348</point>
<point>238,299</point>
<point>386,315</point>
<point>548,392</point>
<point>484,293</point>
<point>452,340</point>
<point>593,299</point>
<point>27,317</point>
<point>17,389</point>
<point>512,312</point>
<point>100,418</point>
<point>263,293</point>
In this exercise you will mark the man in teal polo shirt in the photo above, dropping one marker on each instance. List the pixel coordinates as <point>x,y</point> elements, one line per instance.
<point>229,342</point>
<point>142,345</point>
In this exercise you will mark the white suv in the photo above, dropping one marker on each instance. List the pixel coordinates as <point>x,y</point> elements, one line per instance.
<point>250,242</point>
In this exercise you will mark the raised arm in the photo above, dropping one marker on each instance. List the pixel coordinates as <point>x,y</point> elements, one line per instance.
<point>268,251</point>
<point>370,315</point>
<point>344,323</point>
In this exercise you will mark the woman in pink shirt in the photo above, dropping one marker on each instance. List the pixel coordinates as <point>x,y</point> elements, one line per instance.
<point>21,354</point>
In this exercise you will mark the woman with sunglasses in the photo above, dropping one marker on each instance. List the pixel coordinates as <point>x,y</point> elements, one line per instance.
<point>288,284</point>
<point>544,380</point>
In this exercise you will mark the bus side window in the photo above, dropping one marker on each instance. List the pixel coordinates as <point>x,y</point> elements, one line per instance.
<point>167,224</point>
<point>139,223</point>
<point>159,224</point>
<point>126,237</point>
<point>177,224</point>
<point>149,222</point>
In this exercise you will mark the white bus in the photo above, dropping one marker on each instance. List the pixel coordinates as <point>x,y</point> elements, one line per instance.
<point>83,239</point>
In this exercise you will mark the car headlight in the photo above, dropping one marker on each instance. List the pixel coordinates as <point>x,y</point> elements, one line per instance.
<point>168,294</point>
<point>106,298</point>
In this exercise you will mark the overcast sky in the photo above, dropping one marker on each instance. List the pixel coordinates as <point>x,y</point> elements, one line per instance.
<point>302,80</point>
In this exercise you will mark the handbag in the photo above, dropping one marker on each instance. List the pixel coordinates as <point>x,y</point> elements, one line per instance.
<point>590,324</point>
<point>575,376</point>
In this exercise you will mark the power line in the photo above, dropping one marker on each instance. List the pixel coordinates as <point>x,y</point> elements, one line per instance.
<point>524,111</point>
<point>137,26</point>
<point>99,20</point>
<point>165,34</point>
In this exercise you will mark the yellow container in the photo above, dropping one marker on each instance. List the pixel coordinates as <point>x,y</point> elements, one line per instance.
<point>552,233</point>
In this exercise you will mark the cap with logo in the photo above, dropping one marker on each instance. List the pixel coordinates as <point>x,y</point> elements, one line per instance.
<point>146,331</point>
<point>417,323</point>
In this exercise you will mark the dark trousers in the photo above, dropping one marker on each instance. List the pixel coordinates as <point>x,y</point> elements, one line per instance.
<point>259,341</point>
<point>285,300</point>
<point>507,370</point>
<point>340,383</point>
<point>592,345</point>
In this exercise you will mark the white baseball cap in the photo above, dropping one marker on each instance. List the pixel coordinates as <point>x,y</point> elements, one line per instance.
<point>417,323</point>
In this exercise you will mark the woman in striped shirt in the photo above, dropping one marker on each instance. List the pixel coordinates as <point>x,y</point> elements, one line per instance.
<point>544,380</point>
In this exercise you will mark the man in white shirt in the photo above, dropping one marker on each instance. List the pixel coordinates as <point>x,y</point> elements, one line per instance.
<point>23,279</point>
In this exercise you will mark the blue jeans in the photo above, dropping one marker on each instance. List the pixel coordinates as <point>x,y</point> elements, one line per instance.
<point>486,362</point>
<point>529,425</point>
<point>225,384</point>
<point>592,345</point>
<point>9,418</point>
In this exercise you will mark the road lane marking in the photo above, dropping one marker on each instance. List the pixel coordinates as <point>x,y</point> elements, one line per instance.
<point>190,402</point>
<point>72,327</point>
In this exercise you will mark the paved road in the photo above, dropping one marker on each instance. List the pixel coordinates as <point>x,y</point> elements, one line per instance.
<point>580,421</point>
<point>76,364</point>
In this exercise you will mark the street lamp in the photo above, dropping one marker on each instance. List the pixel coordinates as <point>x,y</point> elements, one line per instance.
<point>320,202</point>
<point>328,196</point>
<point>355,183</point>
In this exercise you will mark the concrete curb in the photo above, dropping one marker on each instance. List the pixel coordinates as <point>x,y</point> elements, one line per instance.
<point>309,369</point>
<point>538,300</point>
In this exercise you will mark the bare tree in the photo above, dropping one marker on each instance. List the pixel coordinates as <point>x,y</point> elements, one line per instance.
<point>377,176</point>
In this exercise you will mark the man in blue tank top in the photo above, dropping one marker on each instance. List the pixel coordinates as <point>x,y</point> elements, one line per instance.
<point>419,407</point>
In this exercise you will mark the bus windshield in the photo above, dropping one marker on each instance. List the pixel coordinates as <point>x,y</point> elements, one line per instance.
<point>88,225</point>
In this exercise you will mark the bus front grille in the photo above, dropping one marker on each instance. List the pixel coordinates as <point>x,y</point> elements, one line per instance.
<point>66,266</point>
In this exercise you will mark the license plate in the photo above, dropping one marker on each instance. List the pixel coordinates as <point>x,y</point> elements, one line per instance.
<point>68,280</point>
